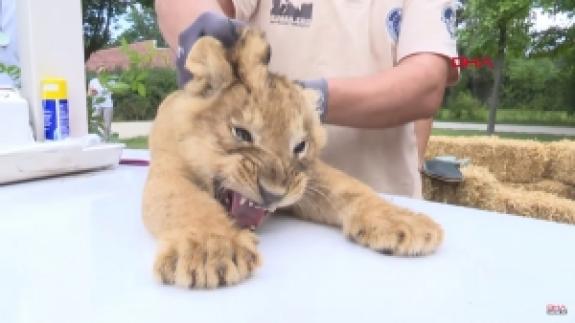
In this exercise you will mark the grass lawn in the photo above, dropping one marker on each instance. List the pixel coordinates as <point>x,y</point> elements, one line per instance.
<point>514,116</point>
<point>142,142</point>
<point>136,142</point>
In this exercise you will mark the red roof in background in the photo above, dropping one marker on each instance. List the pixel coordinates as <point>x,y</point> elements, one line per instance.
<point>113,58</point>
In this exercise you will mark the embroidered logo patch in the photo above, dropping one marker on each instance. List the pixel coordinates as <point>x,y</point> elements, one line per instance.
<point>284,12</point>
<point>448,17</point>
<point>394,23</point>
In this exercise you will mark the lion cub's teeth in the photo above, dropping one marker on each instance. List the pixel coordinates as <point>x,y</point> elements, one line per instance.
<point>251,204</point>
<point>242,201</point>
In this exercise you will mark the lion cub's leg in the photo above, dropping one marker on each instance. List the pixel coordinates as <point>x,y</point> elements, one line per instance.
<point>335,198</point>
<point>199,247</point>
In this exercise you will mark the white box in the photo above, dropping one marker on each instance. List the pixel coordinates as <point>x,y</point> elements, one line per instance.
<point>15,126</point>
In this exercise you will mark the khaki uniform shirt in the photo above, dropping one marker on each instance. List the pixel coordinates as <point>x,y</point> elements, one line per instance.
<point>345,38</point>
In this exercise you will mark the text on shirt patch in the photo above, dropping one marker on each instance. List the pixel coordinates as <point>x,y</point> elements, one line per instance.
<point>394,23</point>
<point>284,12</point>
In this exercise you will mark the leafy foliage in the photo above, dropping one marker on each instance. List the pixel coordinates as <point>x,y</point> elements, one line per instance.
<point>100,17</point>
<point>463,106</point>
<point>533,84</point>
<point>483,20</point>
<point>143,27</point>
<point>129,83</point>
<point>558,43</point>
<point>498,29</point>
<point>131,106</point>
<point>536,70</point>
<point>137,73</point>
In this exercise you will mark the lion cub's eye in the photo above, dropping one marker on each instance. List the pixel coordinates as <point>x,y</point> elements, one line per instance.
<point>242,134</point>
<point>299,148</point>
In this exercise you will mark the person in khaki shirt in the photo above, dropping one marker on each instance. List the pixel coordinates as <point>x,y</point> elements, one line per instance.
<point>382,65</point>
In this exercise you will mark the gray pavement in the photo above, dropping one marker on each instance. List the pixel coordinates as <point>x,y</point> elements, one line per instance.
<point>131,129</point>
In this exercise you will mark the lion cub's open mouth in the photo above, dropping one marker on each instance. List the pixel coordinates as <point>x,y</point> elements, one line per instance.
<point>246,213</point>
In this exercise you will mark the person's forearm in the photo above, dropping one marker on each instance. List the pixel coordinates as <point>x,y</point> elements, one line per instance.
<point>422,132</point>
<point>176,15</point>
<point>410,91</point>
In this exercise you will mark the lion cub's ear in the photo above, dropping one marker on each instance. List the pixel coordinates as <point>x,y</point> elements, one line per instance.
<point>251,56</point>
<point>209,65</point>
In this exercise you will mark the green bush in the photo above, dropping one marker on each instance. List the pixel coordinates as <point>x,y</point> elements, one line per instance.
<point>130,106</point>
<point>515,116</point>
<point>463,106</point>
<point>533,84</point>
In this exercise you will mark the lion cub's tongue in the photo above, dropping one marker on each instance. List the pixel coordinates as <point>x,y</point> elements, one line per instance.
<point>246,216</point>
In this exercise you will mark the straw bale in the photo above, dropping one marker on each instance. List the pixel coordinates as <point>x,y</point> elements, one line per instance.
<point>562,161</point>
<point>536,204</point>
<point>515,161</point>
<point>480,189</point>
<point>549,186</point>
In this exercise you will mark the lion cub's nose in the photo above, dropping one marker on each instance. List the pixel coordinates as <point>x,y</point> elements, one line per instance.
<point>270,194</point>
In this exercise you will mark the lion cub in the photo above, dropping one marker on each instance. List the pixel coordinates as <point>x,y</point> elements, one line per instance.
<point>235,144</point>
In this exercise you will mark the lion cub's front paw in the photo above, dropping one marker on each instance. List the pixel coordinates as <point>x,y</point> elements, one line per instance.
<point>394,231</point>
<point>204,260</point>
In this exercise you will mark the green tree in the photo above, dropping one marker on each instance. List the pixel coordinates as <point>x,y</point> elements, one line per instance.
<point>99,18</point>
<point>532,83</point>
<point>558,43</point>
<point>143,26</point>
<point>497,29</point>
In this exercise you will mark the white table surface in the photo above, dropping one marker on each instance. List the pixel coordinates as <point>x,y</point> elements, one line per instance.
<point>73,249</point>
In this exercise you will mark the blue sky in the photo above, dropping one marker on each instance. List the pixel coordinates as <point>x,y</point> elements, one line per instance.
<point>544,21</point>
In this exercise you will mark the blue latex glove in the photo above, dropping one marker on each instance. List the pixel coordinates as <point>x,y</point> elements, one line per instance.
<point>207,24</point>
<point>319,85</point>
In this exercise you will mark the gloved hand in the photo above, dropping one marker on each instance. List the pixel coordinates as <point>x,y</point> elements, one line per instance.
<point>445,168</point>
<point>226,30</point>
<point>207,24</point>
<point>319,85</point>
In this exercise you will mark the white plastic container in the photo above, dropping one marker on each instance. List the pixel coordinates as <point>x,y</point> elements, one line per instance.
<point>15,126</point>
<point>46,159</point>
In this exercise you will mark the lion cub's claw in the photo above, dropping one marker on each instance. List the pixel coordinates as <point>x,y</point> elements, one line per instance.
<point>207,260</point>
<point>405,234</point>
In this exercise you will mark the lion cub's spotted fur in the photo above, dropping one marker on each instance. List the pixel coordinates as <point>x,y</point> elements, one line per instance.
<point>193,147</point>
